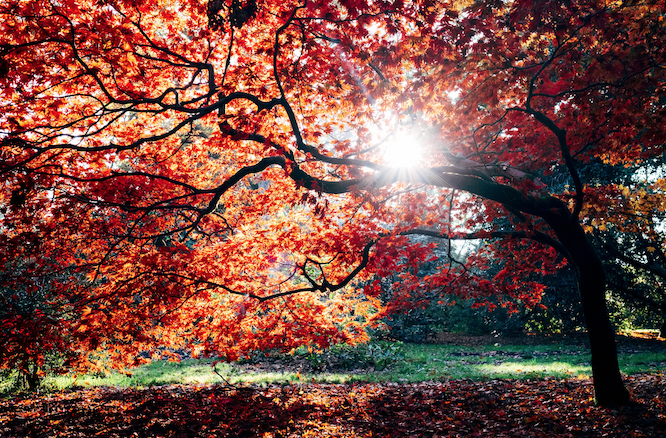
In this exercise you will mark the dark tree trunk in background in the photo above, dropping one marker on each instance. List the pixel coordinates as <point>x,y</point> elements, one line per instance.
<point>608,385</point>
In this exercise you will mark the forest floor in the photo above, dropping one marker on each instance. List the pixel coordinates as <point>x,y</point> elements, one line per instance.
<point>439,408</point>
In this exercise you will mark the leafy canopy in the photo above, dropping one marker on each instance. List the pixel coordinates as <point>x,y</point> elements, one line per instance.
<point>213,175</point>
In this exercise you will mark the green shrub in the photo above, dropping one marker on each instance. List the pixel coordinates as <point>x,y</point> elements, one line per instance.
<point>378,355</point>
<point>453,315</point>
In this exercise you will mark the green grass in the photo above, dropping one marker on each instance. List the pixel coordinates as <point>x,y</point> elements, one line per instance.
<point>414,363</point>
<point>479,363</point>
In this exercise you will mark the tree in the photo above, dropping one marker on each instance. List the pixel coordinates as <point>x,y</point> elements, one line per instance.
<point>217,174</point>
<point>631,238</point>
<point>28,307</point>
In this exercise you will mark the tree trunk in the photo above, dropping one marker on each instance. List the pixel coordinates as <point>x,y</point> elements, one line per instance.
<point>608,386</point>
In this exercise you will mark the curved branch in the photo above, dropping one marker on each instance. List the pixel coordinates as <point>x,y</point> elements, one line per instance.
<point>324,287</point>
<point>536,236</point>
<point>242,135</point>
<point>652,267</point>
<point>561,136</point>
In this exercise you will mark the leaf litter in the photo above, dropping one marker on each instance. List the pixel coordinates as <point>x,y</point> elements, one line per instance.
<point>456,408</point>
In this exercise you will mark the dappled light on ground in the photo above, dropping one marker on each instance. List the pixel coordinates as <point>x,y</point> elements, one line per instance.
<point>537,370</point>
<point>562,408</point>
<point>645,334</point>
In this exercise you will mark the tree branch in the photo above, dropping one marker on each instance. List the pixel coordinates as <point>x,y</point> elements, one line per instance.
<point>536,236</point>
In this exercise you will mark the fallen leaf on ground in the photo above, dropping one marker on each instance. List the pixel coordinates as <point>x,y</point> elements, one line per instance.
<point>497,408</point>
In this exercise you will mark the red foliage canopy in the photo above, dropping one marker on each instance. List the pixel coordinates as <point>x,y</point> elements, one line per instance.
<point>217,175</point>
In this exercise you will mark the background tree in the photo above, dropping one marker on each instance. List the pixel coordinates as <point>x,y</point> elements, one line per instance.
<point>29,307</point>
<point>220,173</point>
<point>630,235</point>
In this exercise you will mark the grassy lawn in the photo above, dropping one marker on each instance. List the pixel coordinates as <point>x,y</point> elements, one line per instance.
<point>427,362</point>
<point>379,362</point>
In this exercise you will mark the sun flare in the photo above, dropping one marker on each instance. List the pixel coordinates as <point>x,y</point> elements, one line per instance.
<point>403,149</point>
